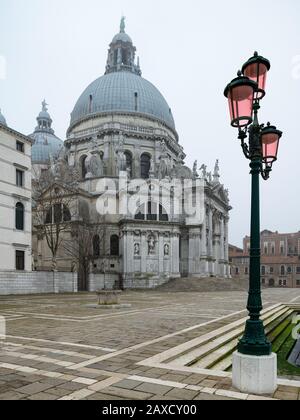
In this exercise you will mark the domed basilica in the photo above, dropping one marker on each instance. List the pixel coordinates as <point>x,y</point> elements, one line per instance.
<point>122,133</point>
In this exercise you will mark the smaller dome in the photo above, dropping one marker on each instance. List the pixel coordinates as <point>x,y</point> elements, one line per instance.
<point>2,119</point>
<point>46,145</point>
<point>44,115</point>
<point>123,37</point>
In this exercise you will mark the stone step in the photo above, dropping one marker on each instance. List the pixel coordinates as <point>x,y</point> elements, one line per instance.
<point>209,284</point>
<point>192,346</point>
<point>231,341</point>
<point>213,340</point>
<point>225,363</point>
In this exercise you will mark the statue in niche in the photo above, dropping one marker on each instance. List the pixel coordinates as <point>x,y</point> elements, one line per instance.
<point>151,245</point>
<point>137,250</point>
<point>167,250</point>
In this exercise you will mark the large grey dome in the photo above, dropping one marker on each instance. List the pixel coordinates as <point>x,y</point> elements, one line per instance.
<point>122,91</point>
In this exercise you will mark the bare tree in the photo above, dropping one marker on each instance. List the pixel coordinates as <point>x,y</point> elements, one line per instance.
<point>85,244</point>
<point>53,210</point>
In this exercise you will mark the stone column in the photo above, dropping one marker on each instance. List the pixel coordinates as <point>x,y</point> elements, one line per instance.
<point>161,253</point>
<point>174,255</point>
<point>226,246</point>
<point>144,252</point>
<point>211,233</point>
<point>127,256</point>
<point>222,248</point>
<point>195,251</point>
<point>210,240</point>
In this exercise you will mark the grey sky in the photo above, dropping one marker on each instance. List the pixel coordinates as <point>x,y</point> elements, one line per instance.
<point>189,50</point>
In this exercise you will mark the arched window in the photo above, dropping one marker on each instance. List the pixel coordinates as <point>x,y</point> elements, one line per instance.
<point>90,103</point>
<point>163,215</point>
<point>271,283</point>
<point>152,211</point>
<point>19,216</point>
<point>96,246</point>
<point>57,213</point>
<point>66,214</point>
<point>140,215</point>
<point>263,270</point>
<point>282,270</point>
<point>128,156</point>
<point>145,165</point>
<point>114,246</point>
<point>83,167</point>
<point>48,219</point>
<point>152,214</point>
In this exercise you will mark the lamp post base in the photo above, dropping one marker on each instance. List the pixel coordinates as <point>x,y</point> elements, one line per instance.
<point>254,374</point>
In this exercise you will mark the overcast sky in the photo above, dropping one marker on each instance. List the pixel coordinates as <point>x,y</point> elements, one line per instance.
<point>190,50</point>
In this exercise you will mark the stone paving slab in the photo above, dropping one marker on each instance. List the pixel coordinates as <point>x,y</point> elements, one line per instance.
<point>58,348</point>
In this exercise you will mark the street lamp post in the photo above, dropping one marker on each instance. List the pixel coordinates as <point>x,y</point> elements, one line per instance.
<point>254,365</point>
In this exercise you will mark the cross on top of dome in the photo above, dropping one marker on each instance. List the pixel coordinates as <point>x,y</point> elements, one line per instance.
<point>45,106</point>
<point>122,24</point>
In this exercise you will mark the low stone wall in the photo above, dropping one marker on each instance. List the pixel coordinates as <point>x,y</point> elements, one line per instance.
<point>37,282</point>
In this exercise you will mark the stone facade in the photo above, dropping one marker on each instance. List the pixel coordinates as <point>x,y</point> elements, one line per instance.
<point>280,259</point>
<point>122,132</point>
<point>15,200</point>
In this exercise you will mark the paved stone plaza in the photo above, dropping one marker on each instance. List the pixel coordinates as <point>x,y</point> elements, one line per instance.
<point>58,347</point>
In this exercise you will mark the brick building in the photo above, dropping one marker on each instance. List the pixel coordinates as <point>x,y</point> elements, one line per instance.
<point>280,259</point>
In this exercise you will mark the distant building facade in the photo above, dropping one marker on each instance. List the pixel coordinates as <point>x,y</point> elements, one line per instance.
<point>15,199</point>
<point>280,259</point>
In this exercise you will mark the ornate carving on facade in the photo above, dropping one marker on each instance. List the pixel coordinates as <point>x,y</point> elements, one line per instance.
<point>151,244</point>
<point>166,250</point>
<point>137,250</point>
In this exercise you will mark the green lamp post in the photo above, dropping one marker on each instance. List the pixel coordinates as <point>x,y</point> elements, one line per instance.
<point>244,95</point>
